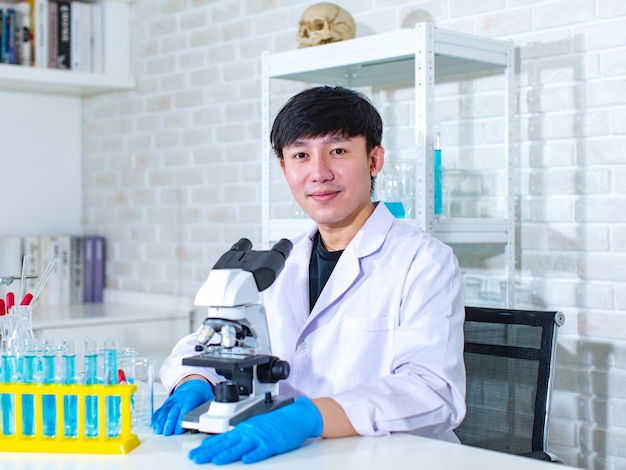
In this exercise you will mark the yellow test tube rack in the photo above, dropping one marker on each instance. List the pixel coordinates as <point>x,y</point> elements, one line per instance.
<point>81,444</point>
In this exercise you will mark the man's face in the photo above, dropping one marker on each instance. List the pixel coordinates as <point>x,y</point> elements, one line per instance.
<point>330,177</point>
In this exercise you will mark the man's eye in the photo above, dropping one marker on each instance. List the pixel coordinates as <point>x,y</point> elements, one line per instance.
<point>299,156</point>
<point>338,151</point>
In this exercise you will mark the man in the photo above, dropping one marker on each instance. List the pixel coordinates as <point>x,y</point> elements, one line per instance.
<point>368,310</point>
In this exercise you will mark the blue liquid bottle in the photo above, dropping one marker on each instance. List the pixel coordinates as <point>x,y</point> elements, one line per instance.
<point>437,175</point>
<point>91,378</point>
<point>68,377</point>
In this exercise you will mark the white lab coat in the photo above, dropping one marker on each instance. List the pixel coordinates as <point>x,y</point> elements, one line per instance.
<point>385,338</point>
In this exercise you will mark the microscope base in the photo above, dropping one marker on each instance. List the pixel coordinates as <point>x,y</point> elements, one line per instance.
<point>216,418</point>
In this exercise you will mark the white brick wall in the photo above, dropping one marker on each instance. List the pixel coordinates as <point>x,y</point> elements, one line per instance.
<point>172,168</point>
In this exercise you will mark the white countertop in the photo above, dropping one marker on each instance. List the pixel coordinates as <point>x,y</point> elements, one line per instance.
<point>376,453</point>
<point>56,317</point>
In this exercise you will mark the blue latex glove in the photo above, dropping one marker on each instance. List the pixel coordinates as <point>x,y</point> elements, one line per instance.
<point>262,436</point>
<point>187,396</point>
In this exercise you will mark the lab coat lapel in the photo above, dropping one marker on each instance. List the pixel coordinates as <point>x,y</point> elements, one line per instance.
<point>348,269</point>
<point>297,299</point>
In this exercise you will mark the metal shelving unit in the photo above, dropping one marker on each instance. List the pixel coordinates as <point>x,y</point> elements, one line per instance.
<point>419,55</point>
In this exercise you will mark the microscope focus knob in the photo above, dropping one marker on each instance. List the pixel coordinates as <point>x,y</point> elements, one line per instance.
<point>281,370</point>
<point>273,371</point>
<point>227,392</point>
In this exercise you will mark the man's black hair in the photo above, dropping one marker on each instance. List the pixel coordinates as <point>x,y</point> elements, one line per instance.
<point>326,111</point>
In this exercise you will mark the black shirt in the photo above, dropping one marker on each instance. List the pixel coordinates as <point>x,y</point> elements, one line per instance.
<point>321,265</point>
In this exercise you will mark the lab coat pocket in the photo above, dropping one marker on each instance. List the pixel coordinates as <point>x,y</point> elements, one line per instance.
<point>366,349</point>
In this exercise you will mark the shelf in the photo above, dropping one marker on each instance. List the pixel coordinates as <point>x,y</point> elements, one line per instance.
<point>63,82</point>
<point>471,230</point>
<point>448,230</point>
<point>386,58</point>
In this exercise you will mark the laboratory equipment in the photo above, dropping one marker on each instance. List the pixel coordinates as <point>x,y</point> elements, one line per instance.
<point>111,378</point>
<point>234,338</point>
<point>91,378</point>
<point>437,175</point>
<point>68,377</point>
<point>8,280</point>
<point>49,401</point>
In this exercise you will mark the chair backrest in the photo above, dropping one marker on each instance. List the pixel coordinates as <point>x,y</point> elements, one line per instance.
<point>509,358</point>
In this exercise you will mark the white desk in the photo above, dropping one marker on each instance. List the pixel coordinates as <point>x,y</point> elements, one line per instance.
<point>376,453</point>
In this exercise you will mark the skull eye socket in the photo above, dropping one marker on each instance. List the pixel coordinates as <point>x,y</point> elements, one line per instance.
<point>318,25</point>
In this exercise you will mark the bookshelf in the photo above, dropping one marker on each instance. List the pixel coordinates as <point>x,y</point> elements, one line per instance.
<point>116,74</point>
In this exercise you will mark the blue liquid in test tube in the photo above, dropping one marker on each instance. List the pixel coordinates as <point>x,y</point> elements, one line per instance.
<point>110,377</point>
<point>28,366</point>
<point>70,402</point>
<point>6,399</point>
<point>49,402</point>
<point>91,378</point>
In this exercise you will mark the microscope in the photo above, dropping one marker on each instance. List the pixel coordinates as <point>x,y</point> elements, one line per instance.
<point>234,338</point>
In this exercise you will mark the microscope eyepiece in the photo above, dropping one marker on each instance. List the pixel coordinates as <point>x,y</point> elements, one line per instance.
<point>242,245</point>
<point>283,246</point>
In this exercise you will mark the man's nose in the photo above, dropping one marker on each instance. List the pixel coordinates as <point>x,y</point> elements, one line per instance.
<point>320,169</point>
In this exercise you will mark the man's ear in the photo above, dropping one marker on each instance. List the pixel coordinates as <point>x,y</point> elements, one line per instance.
<point>377,160</point>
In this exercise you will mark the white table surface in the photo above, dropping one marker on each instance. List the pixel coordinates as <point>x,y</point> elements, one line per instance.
<point>379,453</point>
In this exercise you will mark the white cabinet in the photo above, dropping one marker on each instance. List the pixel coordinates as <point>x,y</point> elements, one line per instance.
<point>402,72</point>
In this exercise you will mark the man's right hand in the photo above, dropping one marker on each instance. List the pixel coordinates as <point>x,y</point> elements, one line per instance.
<point>168,419</point>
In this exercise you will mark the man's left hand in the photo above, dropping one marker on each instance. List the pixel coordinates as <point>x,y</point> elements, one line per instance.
<point>262,436</point>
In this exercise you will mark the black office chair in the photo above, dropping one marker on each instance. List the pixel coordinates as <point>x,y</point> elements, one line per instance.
<point>509,358</point>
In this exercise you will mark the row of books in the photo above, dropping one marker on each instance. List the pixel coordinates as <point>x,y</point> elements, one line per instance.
<point>56,34</point>
<point>15,34</point>
<point>78,275</point>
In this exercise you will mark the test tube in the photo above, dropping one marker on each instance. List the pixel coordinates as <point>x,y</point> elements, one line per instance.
<point>110,378</point>
<point>91,378</point>
<point>48,402</point>
<point>68,377</point>
<point>7,399</point>
<point>29,369</point>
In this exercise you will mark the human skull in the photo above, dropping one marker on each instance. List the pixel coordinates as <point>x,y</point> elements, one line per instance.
<point>323,23</point>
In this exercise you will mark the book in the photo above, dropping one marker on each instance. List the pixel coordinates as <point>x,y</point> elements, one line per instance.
<point>8,36</point>
<point>30,248</point>
<point>23,33</point>
<point>93,268</point>
<point>98,269</point>
<point>3,38</point>
<point>39,12</point>
<point>96,40</point>
<point>80,36</point>
<point>76,269</point>
<point>63,269</point>
<point>88,251</point>
<point>64,59</point>
<point>53,34</point>
<point>49,249</point>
